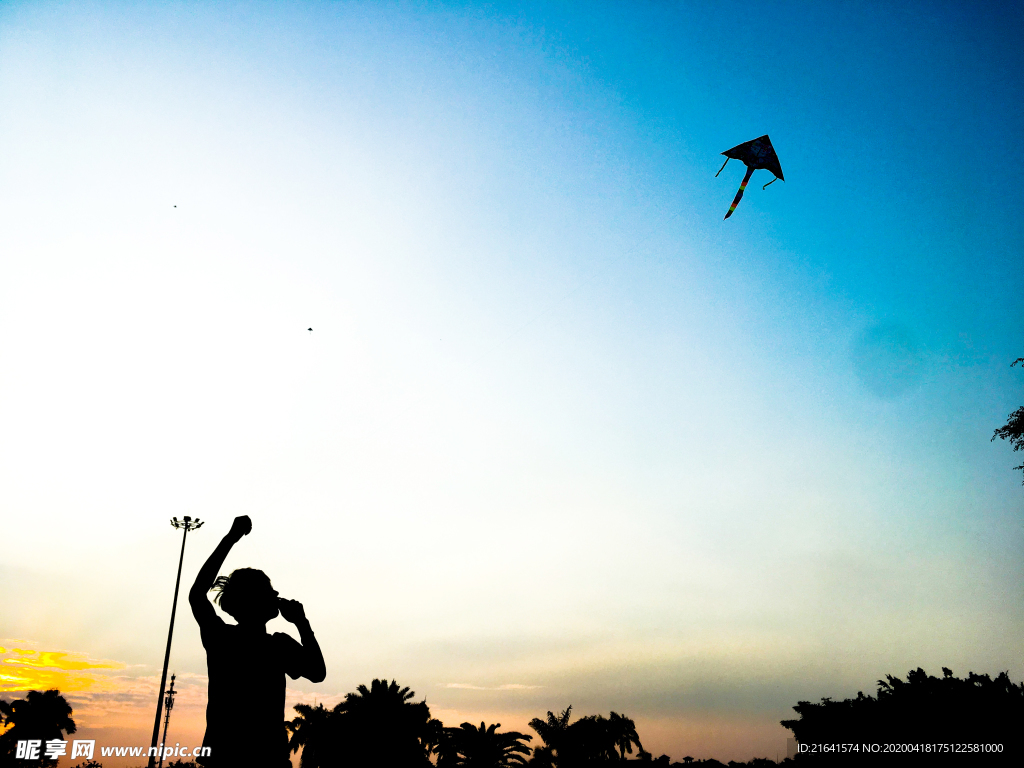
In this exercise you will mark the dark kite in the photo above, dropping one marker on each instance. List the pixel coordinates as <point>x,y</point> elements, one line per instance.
<point>756,153</point>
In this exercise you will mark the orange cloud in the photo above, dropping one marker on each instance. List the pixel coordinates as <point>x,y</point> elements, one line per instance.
<point>102,692</point>
<point>111,701</point>
<point>24,669</point>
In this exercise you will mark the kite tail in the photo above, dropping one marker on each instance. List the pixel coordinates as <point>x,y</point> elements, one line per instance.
<point>739,192</point>
<point>723,166</point>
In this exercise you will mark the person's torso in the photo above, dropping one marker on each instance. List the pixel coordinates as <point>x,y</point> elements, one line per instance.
<point>246,685</point>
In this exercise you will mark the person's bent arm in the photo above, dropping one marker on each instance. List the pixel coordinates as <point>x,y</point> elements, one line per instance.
<point>202,608</point>
<point>312,659</point>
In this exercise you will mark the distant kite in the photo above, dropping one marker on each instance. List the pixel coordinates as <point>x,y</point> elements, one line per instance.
<point>757,153</point>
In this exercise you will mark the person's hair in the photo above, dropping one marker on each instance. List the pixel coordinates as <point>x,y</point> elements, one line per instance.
<point>234,591</point>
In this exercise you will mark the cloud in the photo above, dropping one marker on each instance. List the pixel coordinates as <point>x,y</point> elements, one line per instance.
<point>505,687</point>
<point>128,701</point>
<point>102,692</point>
<point>25,669</point>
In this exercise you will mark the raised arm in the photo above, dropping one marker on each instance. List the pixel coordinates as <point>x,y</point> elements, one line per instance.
<point>311,659</point>
<point>202,608</point>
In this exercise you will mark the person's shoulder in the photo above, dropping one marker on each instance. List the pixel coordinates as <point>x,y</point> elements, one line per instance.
<point>213,628</point>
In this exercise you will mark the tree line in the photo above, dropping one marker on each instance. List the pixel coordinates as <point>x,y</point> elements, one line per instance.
<point>926,720</point>
<point>384,727</point>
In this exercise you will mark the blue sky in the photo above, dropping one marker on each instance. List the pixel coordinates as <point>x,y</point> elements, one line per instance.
<point>560,435</point>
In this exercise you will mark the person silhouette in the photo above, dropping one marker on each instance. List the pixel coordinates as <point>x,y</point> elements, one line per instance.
<point>246,665</point>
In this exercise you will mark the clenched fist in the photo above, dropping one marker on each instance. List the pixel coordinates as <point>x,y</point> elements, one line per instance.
<point>240,527</point>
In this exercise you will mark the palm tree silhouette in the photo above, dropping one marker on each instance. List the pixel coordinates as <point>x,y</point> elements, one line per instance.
<point>42,716</point>
<point>591,740</point>
<point>395,730</point>
<point>588,741</point>
<point>311,732</point>
<point>623,733</point>
<point>552,732</point>
<point>379,726</point>
<point>483,747</point>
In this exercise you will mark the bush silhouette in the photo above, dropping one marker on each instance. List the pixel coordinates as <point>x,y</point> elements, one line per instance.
<point>920,710</point>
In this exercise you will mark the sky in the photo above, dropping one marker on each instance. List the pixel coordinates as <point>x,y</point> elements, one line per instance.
<point>559,434</point>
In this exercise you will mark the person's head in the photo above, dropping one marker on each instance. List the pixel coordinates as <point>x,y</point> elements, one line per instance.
<point>247,595</point>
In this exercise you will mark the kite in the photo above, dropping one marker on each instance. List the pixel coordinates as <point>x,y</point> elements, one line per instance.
<point>757,153</point>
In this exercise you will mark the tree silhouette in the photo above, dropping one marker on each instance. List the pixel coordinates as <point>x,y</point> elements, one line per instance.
<point>378,726</point>
<point>647,757</point>
<point>623,731</point>
<point>311,732</point>
<point>590,741</point>
<point>1013,430</point>
<point>384,717</point>
<point>42,716</point>
<point>552,732</point>
<point>483,747</point>
<point>922,709</point>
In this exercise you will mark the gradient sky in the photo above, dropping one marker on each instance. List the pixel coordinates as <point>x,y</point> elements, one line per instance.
<point>560,435</point>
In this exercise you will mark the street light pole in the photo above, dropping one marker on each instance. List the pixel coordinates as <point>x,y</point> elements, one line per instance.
<point>186,524</point>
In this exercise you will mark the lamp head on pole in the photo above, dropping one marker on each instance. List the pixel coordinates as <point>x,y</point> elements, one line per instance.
<point>187,523</point>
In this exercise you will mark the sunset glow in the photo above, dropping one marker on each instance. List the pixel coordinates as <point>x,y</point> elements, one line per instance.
<point>27,669</point>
